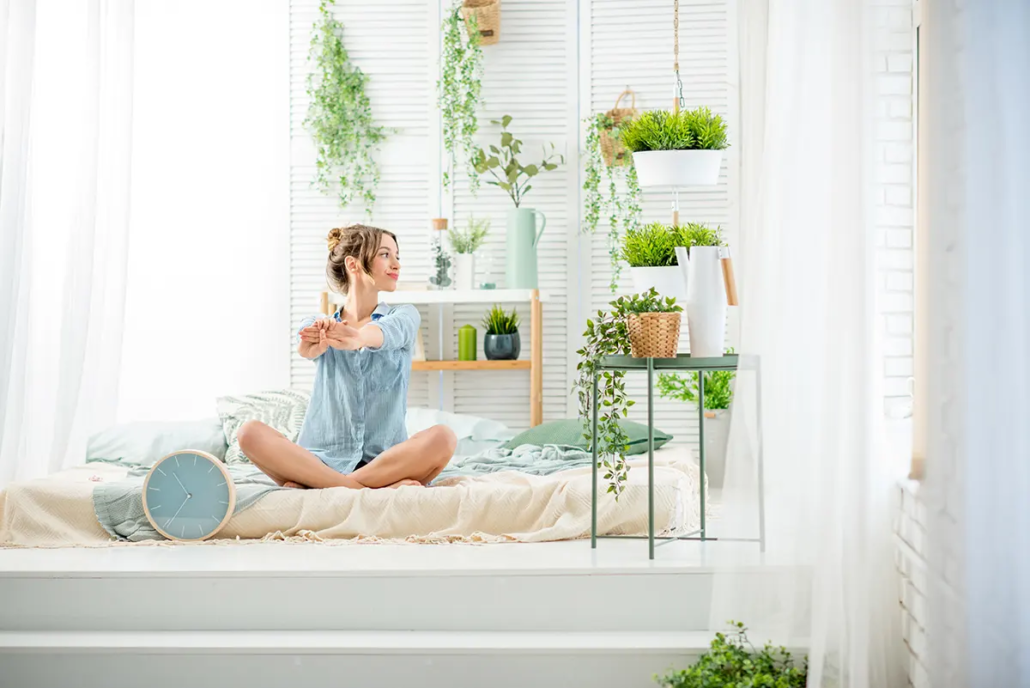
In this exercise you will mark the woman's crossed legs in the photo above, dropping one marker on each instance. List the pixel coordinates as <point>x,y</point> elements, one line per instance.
<point>416,461</point>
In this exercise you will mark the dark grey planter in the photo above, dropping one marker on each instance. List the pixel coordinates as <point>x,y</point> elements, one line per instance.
<point>502,347</point>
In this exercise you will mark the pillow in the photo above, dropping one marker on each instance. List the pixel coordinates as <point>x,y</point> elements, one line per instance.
<point>143,443</point>
<point>281,409</point>
<point>570,432</point>
<point>471,427</point>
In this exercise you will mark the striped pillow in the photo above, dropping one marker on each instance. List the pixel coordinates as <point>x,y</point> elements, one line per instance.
<point>281,409</point>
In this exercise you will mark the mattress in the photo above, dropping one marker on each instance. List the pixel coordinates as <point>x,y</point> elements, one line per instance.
<point>57,511</point>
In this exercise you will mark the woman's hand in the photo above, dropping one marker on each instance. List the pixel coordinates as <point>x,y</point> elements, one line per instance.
<point>314,340</point>
<point>342,336</point>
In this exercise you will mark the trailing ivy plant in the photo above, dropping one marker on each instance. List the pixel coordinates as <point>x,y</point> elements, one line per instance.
<point>459,89</point>
<point>505,168</point>
<point>731,661</point>
<point>718,388</point>
<point>608,335</point>
<point>340,117</point>
<point>622,214</point>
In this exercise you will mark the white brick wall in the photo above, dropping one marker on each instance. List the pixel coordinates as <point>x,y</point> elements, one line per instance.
<point>893,176</point>
<point>910,530</point>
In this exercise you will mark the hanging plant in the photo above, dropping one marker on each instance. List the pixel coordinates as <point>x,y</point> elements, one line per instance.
<point>340,117</point>
<point>624,214</point>
<point>459,89</point>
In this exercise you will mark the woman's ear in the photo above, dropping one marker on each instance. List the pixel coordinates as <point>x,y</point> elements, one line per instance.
<point>351,263</point>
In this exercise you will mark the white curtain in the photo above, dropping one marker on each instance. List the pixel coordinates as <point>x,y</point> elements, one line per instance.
<point>65,133</point>
<point>806,265</point>
<point>977,147</point>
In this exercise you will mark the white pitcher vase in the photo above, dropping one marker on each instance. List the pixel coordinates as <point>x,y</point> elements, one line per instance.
<point>706,300</point>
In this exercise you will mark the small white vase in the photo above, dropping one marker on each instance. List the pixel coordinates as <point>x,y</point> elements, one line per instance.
<point>465,271</point>
<point>717,430</point>
<point>706,300</point>
<point>667,281</point>
<point>676,168</point>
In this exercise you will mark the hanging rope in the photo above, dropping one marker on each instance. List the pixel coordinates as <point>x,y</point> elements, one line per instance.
<point>678,101</point>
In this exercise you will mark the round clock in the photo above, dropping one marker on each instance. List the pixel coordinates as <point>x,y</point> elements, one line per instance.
<point>188,495</point>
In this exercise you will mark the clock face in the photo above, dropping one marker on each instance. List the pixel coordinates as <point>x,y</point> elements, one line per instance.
<point>188,495</point>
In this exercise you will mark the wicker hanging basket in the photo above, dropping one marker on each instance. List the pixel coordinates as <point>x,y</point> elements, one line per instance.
<point>488,18</point>
<point>654,335</point>
<point>612,150</point>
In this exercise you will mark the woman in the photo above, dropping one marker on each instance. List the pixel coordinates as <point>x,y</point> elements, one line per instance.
<point>354,434</point>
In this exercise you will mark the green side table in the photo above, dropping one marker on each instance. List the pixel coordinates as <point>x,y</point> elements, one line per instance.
<point>682,363</point>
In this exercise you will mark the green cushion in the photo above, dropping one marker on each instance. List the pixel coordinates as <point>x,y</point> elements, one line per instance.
<point>570,432</point>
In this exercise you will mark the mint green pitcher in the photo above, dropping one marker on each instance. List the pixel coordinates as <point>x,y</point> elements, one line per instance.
<point>523,237</point>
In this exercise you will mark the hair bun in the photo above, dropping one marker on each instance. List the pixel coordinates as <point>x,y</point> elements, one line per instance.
<point>334,238</point>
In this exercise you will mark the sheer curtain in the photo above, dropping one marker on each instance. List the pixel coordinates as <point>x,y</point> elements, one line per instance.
<point>806,256</point>
<point>977,149</point>
<point>65,134</point>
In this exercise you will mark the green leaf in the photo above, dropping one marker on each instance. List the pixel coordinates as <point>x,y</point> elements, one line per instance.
<point>504,185</point>
<point>492,163</point>
<point>494,149</point>
<point>550,166</point>
<point>531,170</point>
<point>506,121</point>
<point>506,139</point>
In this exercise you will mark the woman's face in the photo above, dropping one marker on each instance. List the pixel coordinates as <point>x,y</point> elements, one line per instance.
<point>386,266</point>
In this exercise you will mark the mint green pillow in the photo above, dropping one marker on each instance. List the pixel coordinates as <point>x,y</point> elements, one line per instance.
<point>570,432</point>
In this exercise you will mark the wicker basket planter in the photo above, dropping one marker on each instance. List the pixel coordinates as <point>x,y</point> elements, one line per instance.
<point>654,335</point>
<point>488,18</point>
<point>612,150</point>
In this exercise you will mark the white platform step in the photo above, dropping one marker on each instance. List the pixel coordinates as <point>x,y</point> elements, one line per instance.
<point>352,659</point>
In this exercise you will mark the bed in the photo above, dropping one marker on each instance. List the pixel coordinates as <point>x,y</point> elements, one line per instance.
<point>506,506</point>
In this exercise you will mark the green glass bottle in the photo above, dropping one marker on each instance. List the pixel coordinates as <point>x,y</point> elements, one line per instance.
<point>466,343</point>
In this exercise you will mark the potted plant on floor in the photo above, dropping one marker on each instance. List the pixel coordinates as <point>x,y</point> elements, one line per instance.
<point>465,244</point>
<point>609,334</point>
<point>673,149</point>
<point>502,163</point>
<point>718,396</point>
<point>501,342</point>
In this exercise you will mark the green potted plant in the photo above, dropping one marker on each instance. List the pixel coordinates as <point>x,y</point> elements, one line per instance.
<point>610,334</point>
<point>339,118</point>
<point>672,149</point>
<point>731,661</point>
<point>510,175</point>
<point>718,396</point>
<point>501,342</point>
<point>651,253</point>
<point>465,244</point>
<point>622,213</point>
<point>459,91</point>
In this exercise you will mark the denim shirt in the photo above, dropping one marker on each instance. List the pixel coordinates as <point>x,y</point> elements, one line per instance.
<point>360,398</point>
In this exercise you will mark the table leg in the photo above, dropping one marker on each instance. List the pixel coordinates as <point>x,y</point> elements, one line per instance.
<point>701,441</point>
<point>593,482</point>
<point>650,457</point>
<point>761,467</point>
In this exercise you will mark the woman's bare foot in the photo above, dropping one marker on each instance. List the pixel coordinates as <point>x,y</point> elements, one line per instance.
<point>296,486</point>
<point>403,483</point>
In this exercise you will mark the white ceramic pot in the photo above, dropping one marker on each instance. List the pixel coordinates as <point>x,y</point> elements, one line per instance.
<point>465,271</point>
<point>667,281</point>
<point>677,168</point>
<point>706,300</point>
<point>717,434</point>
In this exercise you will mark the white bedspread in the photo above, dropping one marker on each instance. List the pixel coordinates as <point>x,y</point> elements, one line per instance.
<point>507,506</point>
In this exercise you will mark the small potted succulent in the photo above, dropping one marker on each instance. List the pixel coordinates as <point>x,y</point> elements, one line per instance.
<point>718,396</point>
<point>673,149</point>
<point>501,342</point>
<point>465,243</point>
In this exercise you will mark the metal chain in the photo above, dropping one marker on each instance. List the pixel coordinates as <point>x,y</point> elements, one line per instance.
<point>678,93</point>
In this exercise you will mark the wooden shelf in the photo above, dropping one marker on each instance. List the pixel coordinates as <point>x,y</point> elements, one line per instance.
<point>471,365</point>
<point>451,296</point>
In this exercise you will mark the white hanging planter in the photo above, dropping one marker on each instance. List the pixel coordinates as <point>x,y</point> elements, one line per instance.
<point>667,281</point>
<point>675,168</point>
<point>465,271</point>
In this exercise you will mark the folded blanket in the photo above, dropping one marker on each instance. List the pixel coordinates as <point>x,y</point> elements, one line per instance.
<point>527,458</point>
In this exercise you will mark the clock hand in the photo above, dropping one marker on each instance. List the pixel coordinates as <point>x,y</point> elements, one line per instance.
<point>179,509</point>
<point>187,492</point>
